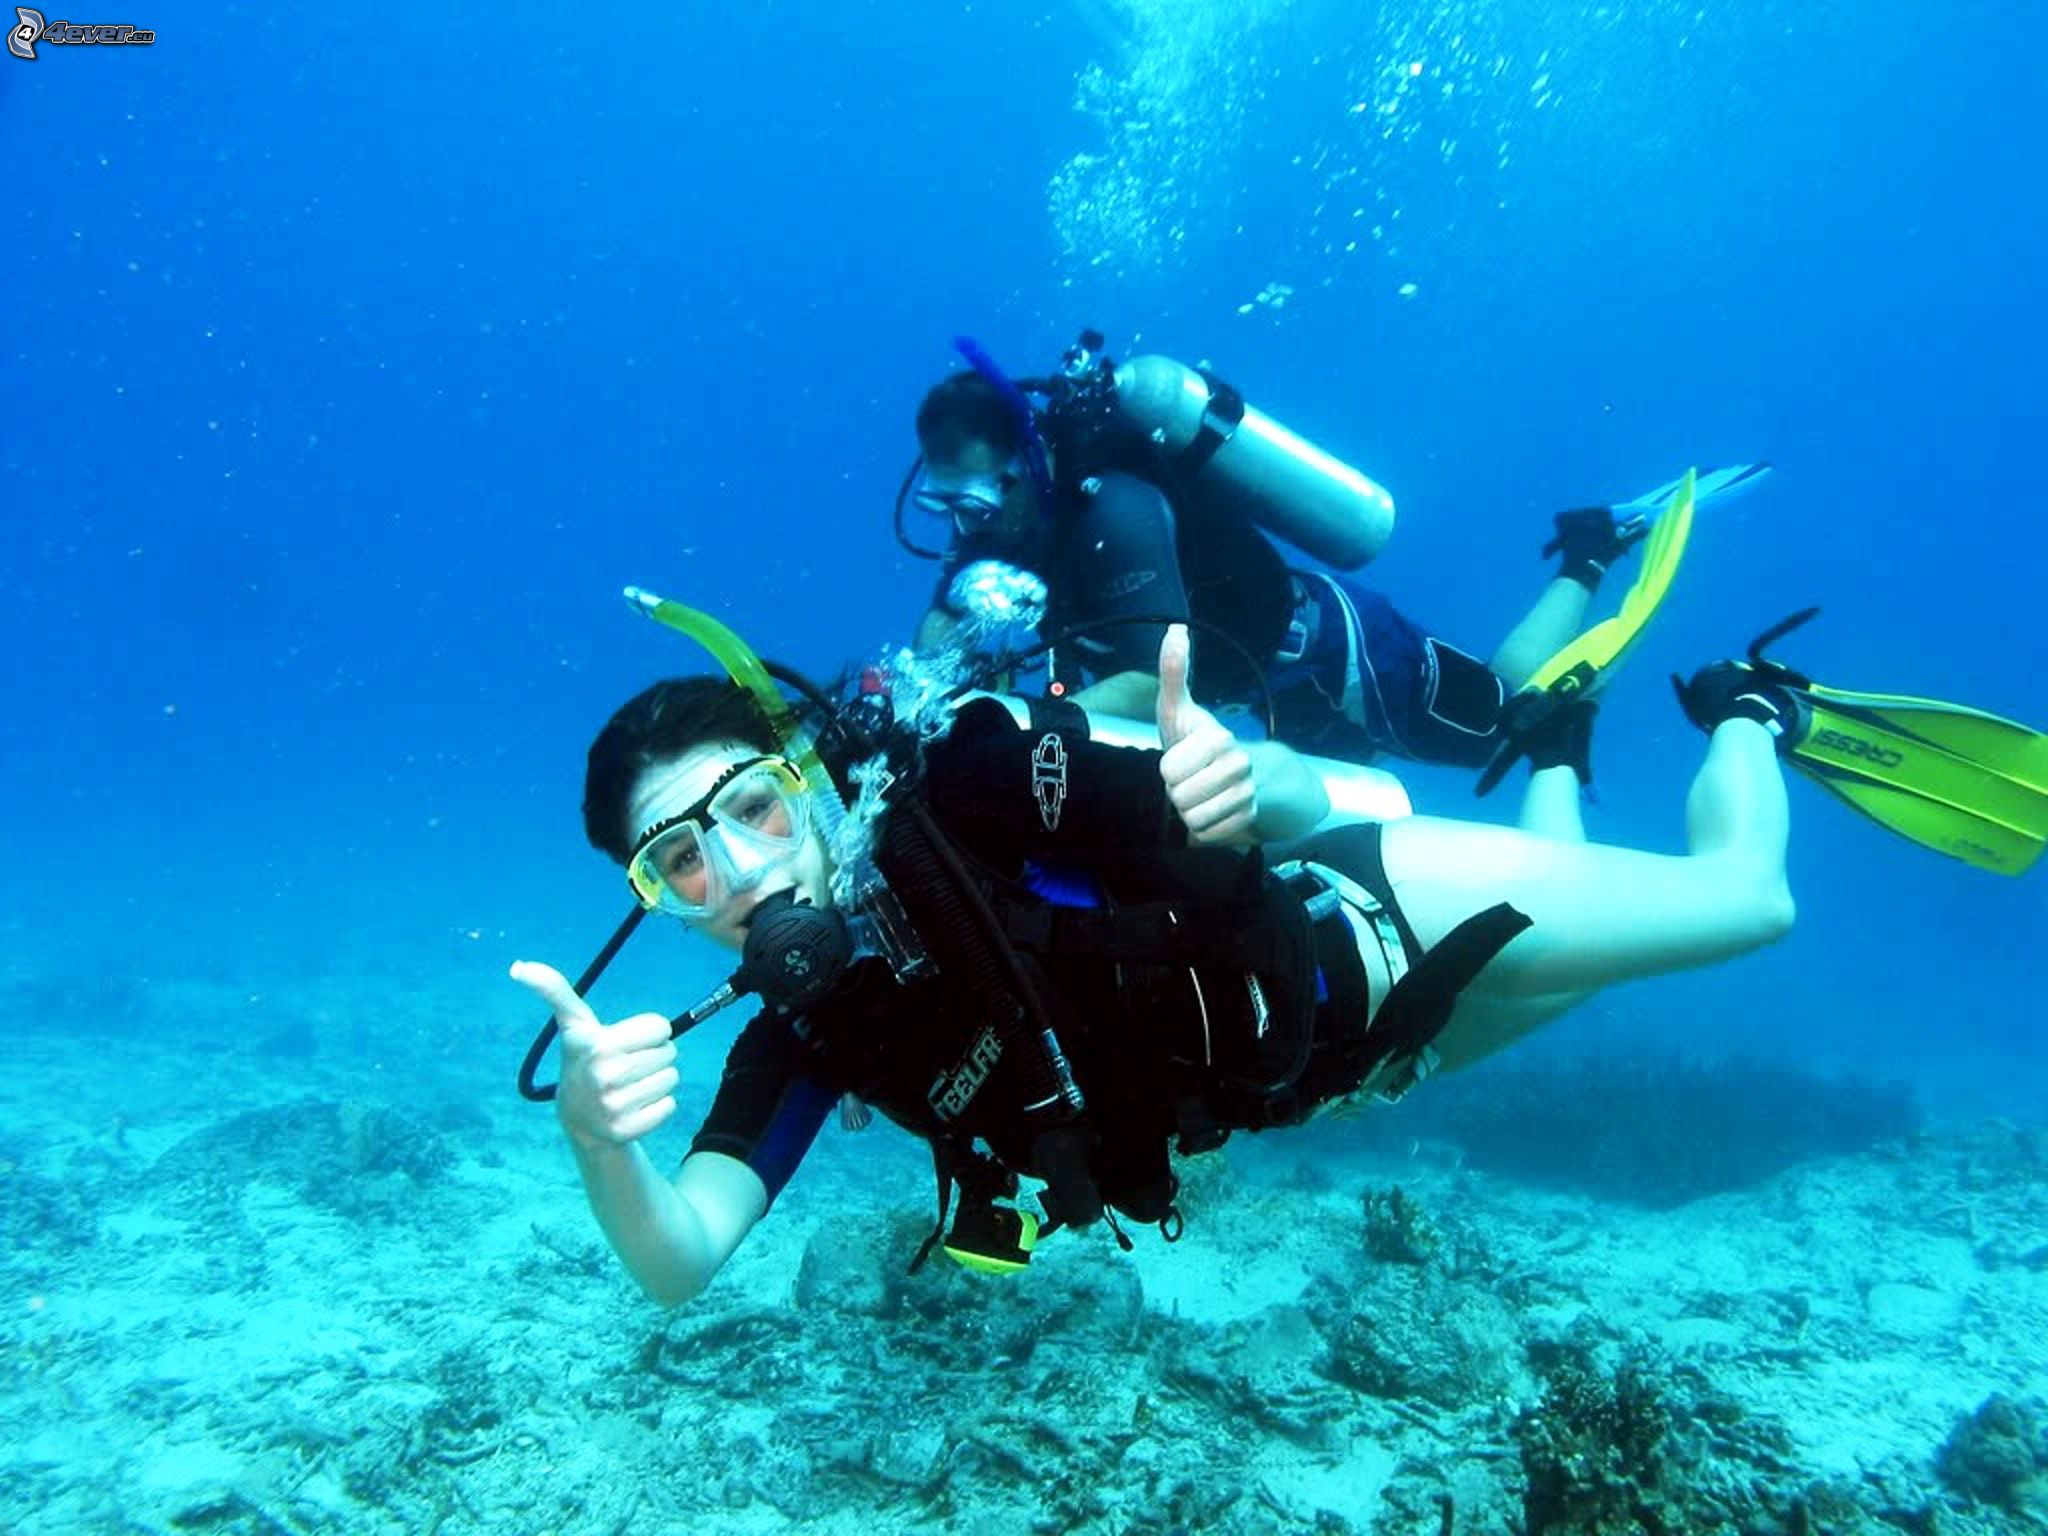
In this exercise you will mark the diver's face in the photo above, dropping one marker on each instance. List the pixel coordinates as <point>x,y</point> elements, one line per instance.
<point>980,489</point>
<point>745,871</point>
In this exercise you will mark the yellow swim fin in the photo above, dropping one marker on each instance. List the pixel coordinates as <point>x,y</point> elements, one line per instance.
<point>1579,669</point>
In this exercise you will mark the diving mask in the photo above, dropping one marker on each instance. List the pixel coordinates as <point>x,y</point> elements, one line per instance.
<point>752,821</point>
<point>973,503</point>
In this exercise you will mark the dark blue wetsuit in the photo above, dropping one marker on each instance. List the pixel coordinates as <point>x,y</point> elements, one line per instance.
<point>1350,676</point>
<point>1357,679</point>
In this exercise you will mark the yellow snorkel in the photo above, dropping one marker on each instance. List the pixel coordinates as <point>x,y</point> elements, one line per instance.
<point>795,937</point>
<point>746,669</point>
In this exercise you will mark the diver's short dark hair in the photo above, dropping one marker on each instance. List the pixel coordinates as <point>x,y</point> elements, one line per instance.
<point>965,408</point>
<point>657,725</point>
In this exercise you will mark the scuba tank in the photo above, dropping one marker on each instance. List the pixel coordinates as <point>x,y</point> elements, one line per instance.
<point>1280,480</point>
<point>1202,429</point>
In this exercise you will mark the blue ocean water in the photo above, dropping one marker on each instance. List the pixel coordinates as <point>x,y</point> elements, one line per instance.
<point>358,359</point>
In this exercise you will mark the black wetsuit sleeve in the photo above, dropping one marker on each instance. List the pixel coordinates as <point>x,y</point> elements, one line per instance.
<point>1122,564</point>
<point>767,1110</point>
<point>1011,794</point>
<point>1460,708</point>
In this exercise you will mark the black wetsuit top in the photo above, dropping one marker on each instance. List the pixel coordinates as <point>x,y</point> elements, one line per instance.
<point>1349,676</point>
<point>1118,544</point>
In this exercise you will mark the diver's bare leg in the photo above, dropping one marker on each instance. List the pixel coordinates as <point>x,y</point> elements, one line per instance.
<point>1601,914</point>
<point>1552,806</point>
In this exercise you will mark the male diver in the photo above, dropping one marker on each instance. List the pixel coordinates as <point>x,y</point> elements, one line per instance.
<point>1061,960</point>
<point>1138,492</point>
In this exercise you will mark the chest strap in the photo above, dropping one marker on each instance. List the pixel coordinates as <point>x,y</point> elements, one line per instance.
<point>1153,932</point>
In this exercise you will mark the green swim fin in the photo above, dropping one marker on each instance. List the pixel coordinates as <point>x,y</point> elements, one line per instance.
<point>1963,782</point>
<point>1951,778</point>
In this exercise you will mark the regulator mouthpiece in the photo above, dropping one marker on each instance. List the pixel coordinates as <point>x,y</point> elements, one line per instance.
<point>795,953</point>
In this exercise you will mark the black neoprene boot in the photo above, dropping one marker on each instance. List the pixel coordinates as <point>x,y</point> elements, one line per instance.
<point>1741,690</point>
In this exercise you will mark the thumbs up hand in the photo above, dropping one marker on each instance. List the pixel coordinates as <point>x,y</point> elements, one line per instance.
<point>1208,775</point>
<point>618,1080</point>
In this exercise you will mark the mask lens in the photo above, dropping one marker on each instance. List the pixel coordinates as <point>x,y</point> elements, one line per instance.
<point>972,502</point>
<point>671,872</point>
<point>765,807</point>
<point>967,508</point>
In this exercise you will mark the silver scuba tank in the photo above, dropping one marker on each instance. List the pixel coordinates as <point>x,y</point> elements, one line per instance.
<point>1281,481</point>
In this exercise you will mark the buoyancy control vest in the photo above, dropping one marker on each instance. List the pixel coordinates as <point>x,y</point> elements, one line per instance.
<point>1075,1015</point>
<point>1081,1015</point>
<point>1181,1001</point>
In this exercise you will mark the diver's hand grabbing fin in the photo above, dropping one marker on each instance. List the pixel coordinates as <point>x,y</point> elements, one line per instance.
<point>1550,730</point>
<point>1590,539</point>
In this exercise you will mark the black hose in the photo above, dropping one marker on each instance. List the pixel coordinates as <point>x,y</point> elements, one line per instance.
<point>540,1093</point>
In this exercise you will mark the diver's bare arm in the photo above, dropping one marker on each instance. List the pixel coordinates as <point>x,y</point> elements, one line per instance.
<point>672,1236</point>
<point>1291,797</point>
<point>1128,695</point>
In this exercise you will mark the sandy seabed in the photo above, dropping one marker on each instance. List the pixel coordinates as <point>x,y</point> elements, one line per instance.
<point>277,1285</point>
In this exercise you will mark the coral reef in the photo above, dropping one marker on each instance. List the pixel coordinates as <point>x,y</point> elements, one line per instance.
<point>1649,1130</point>
<point>1998,1455</point>
<point>1395,1344</point>
<point>1594,1450</point>
<point>1397,1229</point>
<point>42,1214</point>
<point>1650,1446</point>
<point>356,1159</point>
<point>1067,1402</point>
